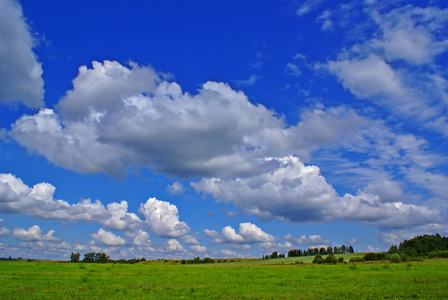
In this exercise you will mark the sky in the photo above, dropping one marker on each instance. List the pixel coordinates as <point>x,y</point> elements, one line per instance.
<point>176,129</point>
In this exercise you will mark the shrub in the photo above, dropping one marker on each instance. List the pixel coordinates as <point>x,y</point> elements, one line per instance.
<point>341,259</point>
<point>356,259</point>
<point>374,256</point>
<point>403,256</point>
<point>442,254</point>
<point>183,261</point>
<point>330,259</point>
<point>318,259</point>
<point>395,258</point>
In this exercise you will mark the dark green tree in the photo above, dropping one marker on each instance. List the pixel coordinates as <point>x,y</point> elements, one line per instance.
<point>74,257</point>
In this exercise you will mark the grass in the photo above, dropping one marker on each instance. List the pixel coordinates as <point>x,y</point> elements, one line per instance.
<point>247,279</point>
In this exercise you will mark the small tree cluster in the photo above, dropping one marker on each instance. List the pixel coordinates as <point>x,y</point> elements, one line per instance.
<point>273,255</point>
<point>322,251</point>
<point>330,259</point>
<point>197,260</point>
<point>94,257</point>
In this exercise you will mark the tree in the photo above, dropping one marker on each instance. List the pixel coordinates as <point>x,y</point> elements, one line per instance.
<point>395,258</point>
<point>343,249</point>
<point>329,250</point>
<point>74,257</point>
<point>393,249</point>
<point>318,259</point>
<point>336,250</point>
<point>350,249</point>
<point>89,257</point>
<point>330,259</point>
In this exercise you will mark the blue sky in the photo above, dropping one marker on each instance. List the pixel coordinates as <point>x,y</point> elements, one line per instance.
<point>174,129</point>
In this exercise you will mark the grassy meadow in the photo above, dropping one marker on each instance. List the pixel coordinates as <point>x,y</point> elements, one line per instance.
<point>238,279</point>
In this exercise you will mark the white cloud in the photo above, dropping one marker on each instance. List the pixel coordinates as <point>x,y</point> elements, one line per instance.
<point>306,240</point>
<point>34,233</point>
<point>198,249</point>
<point>4,231</point>
<point>248,233</point>
<point>368,77</point>
<point>227,253</point>
<point>190,240</point>
<point>211,233</point>
<point>293,70</point>
<point>163,218</point>
<point>324,18</point>
<point>293,192</point>
<point>173,245</point>
<point>140,238</point>
<point>118,217</point>
<point>20,72</point>
<point>308,6</point>
<point>176,188</point>
<point>38,201</point>
<point>108,238</point>
<point>247,82</point>
<point>299,193</point>
<point>412,33</point>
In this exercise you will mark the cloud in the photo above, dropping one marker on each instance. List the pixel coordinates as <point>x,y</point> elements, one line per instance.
<point>293,192</point>
<point>176,188</point>
<point>368,77</point>
<point>198,249</point>
<point>4,231</point>
<point>298,193</point>
<point>163,218</point>
<point>413,34</point>
<point>324,18</point>
<point>308,6</point>
<point>293,70</point>
<point>108,238</point>
<point>173,245</point>
<point>307,240</point>
<point>140,238</point>
<point>33,233</point>
<point>216,131</point>
<point>248,233</point>
<point>20,71</point>
<point>247,82</point>
<point>190,240</point>
<point>16,198</point>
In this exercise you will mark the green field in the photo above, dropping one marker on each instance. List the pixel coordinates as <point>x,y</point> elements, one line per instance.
<point>246,279</point>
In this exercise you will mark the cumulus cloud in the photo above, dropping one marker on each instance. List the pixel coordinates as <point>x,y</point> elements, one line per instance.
<point>20,71</point>
<point>173,245</point>
<point>38,201</point>
<point>176,188</point>
<point>108,238</point>
<point>248,233</point>
<point>198,249</point>
<point>293,192</point>
<point>4,231</point>
<point>33,233</point>
<point>306,240</point>
<point>163,218</point>
<point>368,77</point>
<point>299,193</point>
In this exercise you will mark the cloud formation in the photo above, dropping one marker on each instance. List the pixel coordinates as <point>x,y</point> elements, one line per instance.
<point>20,71</point>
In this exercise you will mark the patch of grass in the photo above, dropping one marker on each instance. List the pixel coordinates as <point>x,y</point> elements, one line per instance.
<point>252,280</point>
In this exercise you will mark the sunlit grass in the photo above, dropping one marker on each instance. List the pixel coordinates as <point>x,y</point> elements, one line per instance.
<point>228,280</point>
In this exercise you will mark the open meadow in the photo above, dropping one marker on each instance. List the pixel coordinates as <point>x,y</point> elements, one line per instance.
<point>246,279</point>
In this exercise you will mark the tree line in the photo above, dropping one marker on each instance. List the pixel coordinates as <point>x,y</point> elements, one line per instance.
<point>312,252</point>
<point>98,257</point>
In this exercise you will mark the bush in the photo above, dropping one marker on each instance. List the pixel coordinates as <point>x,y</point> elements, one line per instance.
<point>318,259</point>
<point>375,256</point>
<point>442,254</point>
<point>356,259</point>
<point>403,256</point>
<point>341,259</point>
<point>330,259</point>
<point>395,258</point>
